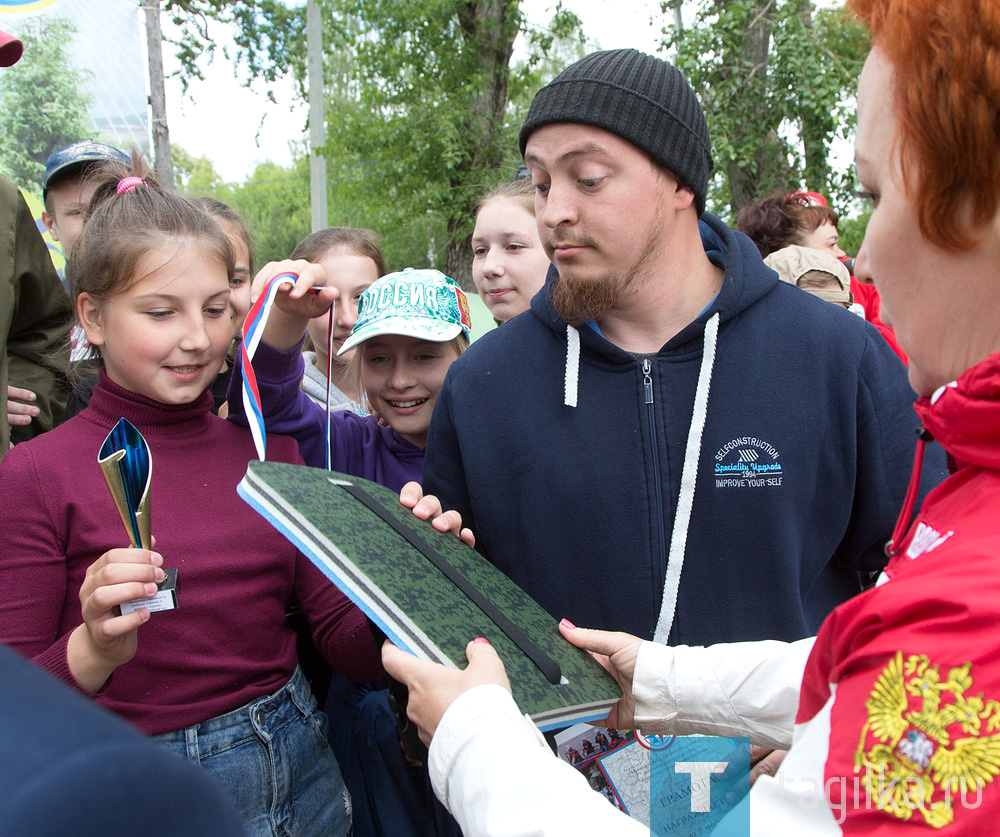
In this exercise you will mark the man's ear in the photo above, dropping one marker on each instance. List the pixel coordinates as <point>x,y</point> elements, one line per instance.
<point>88,312</point>
<point>50,224</point>
<point>683,197</point>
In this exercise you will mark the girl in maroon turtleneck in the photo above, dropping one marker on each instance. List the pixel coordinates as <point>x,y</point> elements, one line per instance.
<point>216,680</point>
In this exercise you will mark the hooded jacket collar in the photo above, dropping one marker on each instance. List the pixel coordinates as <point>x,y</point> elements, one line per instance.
<point>964,416</point>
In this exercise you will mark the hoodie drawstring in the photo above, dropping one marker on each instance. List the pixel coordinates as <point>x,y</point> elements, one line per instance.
<point>892,546</point>
<point>689,478</point>
<point>572,366</point>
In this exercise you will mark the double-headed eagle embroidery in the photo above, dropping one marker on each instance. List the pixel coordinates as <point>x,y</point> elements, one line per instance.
<point>926,740</point>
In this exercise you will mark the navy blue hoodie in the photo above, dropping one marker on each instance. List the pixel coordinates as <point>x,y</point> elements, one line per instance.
<point>797,465</point>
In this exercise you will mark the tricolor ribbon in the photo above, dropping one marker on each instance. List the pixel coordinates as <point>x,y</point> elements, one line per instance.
<point>253,331</point>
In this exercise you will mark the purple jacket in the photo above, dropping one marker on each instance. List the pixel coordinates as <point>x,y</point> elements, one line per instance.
<point>358,445</point>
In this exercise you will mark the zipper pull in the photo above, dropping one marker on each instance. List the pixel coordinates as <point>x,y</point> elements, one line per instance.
<point>647,381</point>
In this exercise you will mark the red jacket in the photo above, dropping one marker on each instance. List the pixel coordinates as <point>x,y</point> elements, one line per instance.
<point>867,296</point>
<point>914,664</point>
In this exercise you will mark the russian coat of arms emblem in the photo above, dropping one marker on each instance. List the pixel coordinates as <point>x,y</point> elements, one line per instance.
<point>926,739</point>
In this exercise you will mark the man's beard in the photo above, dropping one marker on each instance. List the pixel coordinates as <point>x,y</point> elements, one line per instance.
<point>581,299</point>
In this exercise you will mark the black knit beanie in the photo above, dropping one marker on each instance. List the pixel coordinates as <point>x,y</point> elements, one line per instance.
<point>640,98</point>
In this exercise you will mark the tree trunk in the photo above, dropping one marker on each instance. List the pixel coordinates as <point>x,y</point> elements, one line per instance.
<point>772,172</point>
<point>458,257</point>
<point>746,180</point>
<point>157,95</point>
<point>489,29</point>
<point>816,129</point>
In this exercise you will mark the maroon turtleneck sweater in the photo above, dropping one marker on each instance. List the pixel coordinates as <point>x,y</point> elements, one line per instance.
<point>228,642</point>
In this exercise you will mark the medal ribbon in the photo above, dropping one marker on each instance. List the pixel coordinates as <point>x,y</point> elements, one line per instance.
<point>253,331</point>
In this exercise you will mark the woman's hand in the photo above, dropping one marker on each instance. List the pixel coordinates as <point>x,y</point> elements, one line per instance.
<point>294,304</point>
<point>617,653</point>
<point>434,687</point>
<point>105,640</point>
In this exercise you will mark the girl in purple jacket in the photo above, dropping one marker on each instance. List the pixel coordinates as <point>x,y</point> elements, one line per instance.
<point>411,325</point>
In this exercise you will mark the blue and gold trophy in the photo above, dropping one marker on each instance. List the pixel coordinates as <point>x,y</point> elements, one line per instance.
<point>128,468</point>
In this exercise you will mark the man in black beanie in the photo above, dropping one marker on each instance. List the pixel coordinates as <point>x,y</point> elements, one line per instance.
<point>667,403</point>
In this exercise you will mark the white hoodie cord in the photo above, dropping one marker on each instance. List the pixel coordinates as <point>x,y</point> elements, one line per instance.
<point>572,366</point>
<point>689,477</point>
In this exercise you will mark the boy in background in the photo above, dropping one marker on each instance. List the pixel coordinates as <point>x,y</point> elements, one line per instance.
<point>815,272</point>
<point>68,185</point>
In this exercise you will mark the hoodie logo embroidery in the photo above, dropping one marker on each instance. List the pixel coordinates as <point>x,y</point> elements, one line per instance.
<point>747,462</point>
<point>925,539</point>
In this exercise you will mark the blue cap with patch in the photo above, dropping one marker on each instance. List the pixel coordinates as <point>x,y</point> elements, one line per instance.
<point>65,160</point>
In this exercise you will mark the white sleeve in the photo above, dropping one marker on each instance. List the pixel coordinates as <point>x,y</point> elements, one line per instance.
<point>736,689</point>
<point>492,769</point>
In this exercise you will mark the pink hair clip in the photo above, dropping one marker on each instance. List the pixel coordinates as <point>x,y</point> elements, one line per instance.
<point>127,184</point>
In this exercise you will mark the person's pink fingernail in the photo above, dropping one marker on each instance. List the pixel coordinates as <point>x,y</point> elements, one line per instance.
<point>150,589</point>
<point>481,639</point>
<point>567,624</point>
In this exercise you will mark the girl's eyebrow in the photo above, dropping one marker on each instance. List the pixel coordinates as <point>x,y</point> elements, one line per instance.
<point>172,297</point>
<point>505,234</point>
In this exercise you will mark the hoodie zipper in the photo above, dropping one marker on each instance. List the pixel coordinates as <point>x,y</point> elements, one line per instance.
<point>661,534</point>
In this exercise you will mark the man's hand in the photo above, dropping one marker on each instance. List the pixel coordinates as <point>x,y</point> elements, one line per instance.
<point>20,410</point>
<point>433,687</point>
<point>428,507</point>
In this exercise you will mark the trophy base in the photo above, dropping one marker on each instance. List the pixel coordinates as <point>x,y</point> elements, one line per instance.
<point>165,598</point>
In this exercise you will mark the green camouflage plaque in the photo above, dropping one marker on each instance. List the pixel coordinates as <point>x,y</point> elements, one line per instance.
<point>414,603</point>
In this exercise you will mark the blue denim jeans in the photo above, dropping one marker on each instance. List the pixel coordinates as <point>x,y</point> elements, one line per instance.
<point>272,758</point>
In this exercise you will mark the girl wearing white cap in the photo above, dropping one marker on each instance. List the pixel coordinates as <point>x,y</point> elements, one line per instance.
<point>411,325</point>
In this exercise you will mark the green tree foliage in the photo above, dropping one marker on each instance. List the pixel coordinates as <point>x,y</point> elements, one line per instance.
<point>195,176</point>
<point>269,35</point>
<point>852,232</point>
<point>274,200</point>
<point>777,83</point>
<point>422,105</point>
<point>42,106</point>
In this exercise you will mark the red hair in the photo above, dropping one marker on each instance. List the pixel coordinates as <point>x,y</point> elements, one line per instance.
<point>946,66</point>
